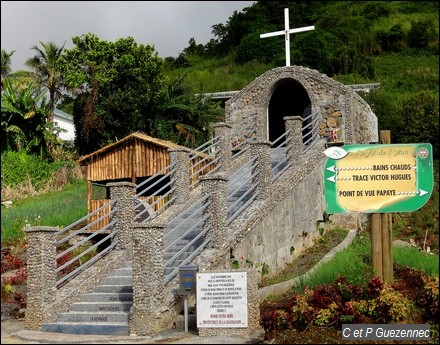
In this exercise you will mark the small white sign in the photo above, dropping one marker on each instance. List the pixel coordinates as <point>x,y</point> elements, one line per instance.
<point>222,299</point>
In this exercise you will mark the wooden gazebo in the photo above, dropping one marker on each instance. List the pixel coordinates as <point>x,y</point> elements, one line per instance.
<point>134,159</point>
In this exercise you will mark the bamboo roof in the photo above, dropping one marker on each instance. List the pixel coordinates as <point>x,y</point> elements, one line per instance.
<point>135,135</point>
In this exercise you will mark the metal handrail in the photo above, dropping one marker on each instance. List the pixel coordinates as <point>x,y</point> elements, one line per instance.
<point>193,209</point>
<point>190,257</point>
<point>175,237</point>
<point>88,262</point>
<point>249,166</point>
<point>169,167</point>
<point>200,221</point>
<point>164,176</point>
<point>209,146</point>
<point>86,227</point>
<point>81,220</point>
<point>314,131</point>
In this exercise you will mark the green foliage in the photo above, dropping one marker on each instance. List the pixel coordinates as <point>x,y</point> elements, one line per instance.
<point>252,47</point>
<point>19,167</point>
<point>23,116</point>
<point>242,262</point>
<point>186,118</point>
<point>422,33</point>
<point>420,122</point>
<point>337,303</point>
<point>121,85</point>
<point>375,9</point>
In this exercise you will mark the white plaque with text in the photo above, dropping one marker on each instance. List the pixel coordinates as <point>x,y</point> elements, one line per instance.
<point>222,299</point>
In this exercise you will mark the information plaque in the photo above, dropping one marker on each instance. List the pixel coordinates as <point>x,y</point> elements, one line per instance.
<point>378,178</point>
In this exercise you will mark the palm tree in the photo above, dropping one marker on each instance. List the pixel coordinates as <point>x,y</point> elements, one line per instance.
<point>45,65</point>
<point>6,65</point>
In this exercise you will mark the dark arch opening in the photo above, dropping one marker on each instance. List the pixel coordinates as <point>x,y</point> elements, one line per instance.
<point>289,99</point>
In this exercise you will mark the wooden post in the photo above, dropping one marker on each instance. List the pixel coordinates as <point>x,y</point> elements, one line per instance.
<point>381,236</point>
<point>387,256</point>
<point>376,245</point>
<point>386,225</point>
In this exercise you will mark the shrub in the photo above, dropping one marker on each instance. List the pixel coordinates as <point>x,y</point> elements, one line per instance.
<point>341,302</point>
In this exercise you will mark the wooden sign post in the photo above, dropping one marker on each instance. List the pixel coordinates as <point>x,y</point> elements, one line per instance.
<point>378,179</point>
<point>381,235</point>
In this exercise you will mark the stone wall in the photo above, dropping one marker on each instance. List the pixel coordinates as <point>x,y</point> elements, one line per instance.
<point>268,229</point>
<point>342,108</point>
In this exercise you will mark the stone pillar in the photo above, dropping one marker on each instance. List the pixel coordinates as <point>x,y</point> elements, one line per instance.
<point>181,177</point>
<point>217,187</point>
<point>295,145</point>
<point>223,150</point>
<point>41,276</point>
<point>148,279</point>
<point>261,129</point>
<point>262,168</point>
<point>123,192</point>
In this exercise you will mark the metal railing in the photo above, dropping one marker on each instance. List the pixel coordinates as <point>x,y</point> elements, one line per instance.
<point>311,130</point>
<point>239,145</point>
<point>208,159</point>
<point>246,175</point>
<point>155,203</point>
<point>280,155</point>
<point>185,239</point>
<point>67,263</point>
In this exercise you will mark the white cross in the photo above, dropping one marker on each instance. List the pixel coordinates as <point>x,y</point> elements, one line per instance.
<point>287,33</point>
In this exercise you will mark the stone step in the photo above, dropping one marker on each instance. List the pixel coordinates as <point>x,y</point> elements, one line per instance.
<point>117,280</point>
<point>107,297</point>
<point>113,289</point>
<point>101,306</point>
<point>85,317</point>
<point>123,272</point>
<point>87,328</point>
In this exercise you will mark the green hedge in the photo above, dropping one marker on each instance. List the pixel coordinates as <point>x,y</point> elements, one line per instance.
<point>18,167</point>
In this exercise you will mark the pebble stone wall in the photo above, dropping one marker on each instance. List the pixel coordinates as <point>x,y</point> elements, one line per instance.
<point>262,168</point>
<point>181,177</point>
<point>41,278</point>
<point>123,193</point>
<point>223,132</point>
<point>342,108</point>
<point>216,188</point>
<point>148,279</point>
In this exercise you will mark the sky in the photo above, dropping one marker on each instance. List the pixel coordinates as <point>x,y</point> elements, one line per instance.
<point>166,25</point>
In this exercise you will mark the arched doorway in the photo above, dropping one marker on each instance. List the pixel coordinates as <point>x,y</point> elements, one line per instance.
<point>288,99</point>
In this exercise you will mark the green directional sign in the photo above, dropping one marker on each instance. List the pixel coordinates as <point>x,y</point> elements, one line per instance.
<point>378,178</point>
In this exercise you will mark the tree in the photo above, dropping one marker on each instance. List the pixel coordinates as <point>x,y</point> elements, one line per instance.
<point>422,34</point>
<point>118,87</point>
<point>6,64</point>
<point>419,122</point>
<point>186,118</point>
<point>46,66</point>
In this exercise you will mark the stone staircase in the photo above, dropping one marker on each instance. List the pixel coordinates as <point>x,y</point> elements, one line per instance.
<point>105,311</point>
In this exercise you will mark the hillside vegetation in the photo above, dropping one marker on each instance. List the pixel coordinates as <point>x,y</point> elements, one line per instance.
<point>392,43</point>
